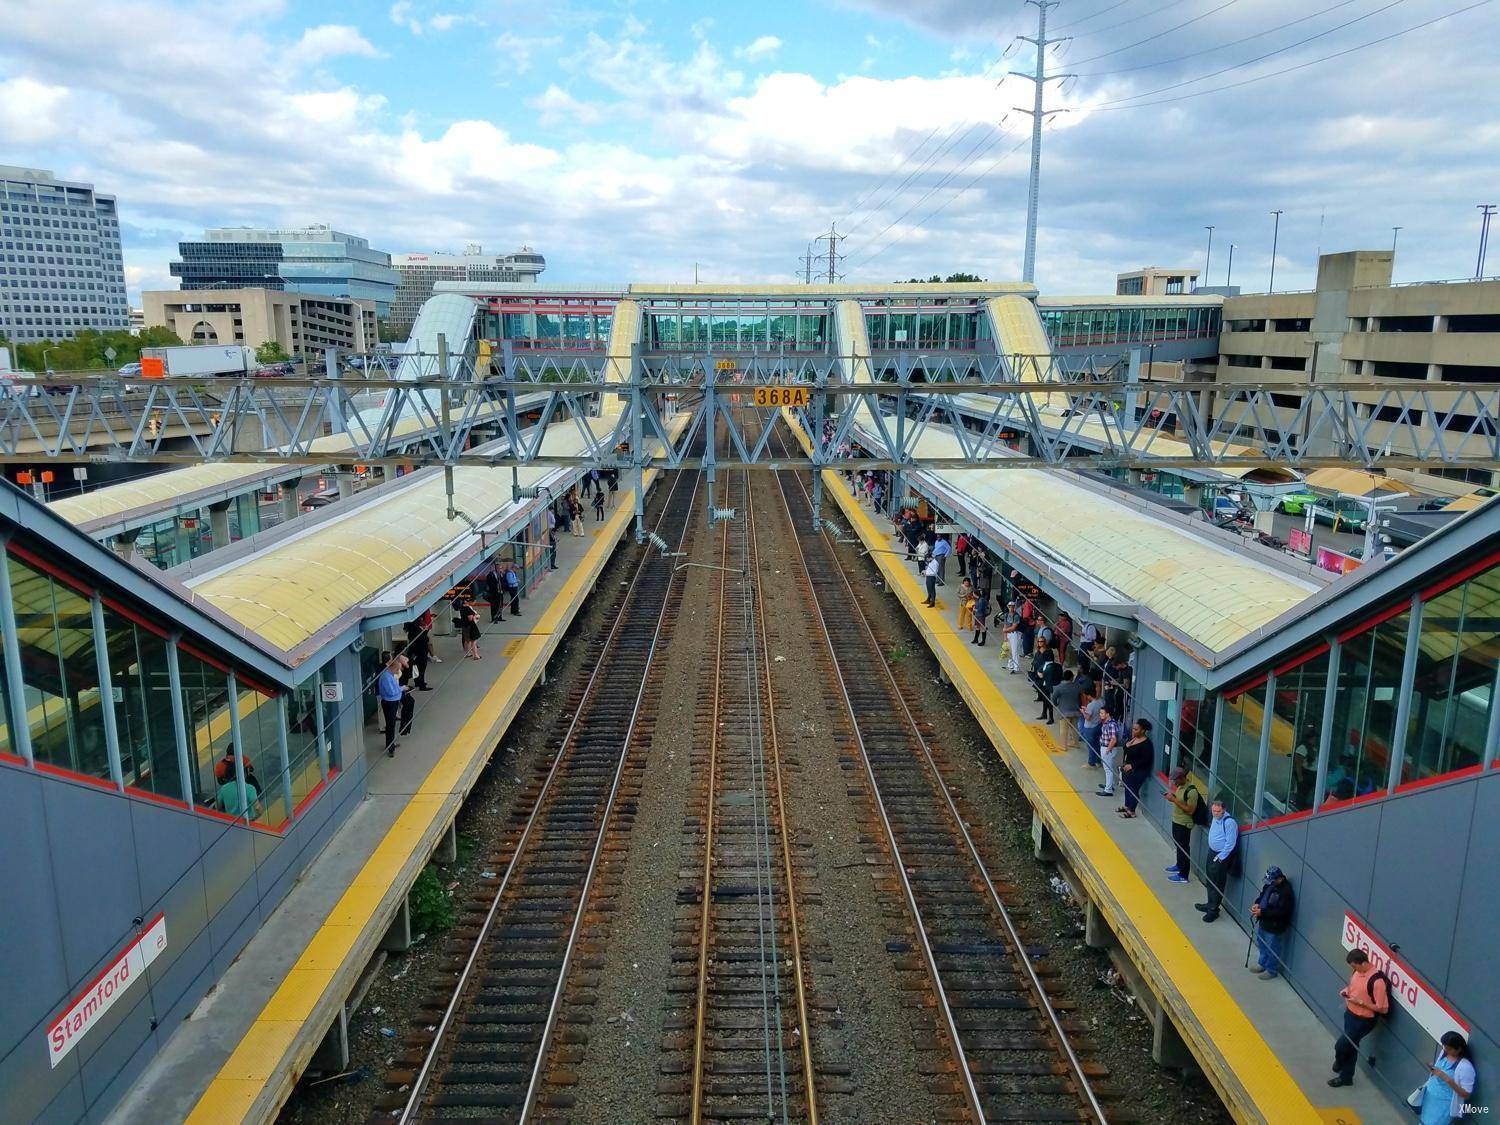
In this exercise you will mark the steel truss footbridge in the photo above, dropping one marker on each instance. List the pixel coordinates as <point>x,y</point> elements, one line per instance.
<point>998,411</point>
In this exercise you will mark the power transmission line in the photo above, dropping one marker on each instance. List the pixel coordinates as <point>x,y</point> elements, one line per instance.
<point>1017,147</point>
<point>1159,34</point>
<point>972,155</point>
<point>1094,16</point>
<point>1038,114</point>
<point>1131,103</point>
<point>1133,19</point>
<point>1220,46</point>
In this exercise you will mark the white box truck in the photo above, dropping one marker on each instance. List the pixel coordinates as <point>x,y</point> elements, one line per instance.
<point>198,359</point>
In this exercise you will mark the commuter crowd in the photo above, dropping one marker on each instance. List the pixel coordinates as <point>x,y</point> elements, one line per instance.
<point>1082,682</point>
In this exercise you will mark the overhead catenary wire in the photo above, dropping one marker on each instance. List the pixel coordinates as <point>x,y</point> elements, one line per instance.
<point>1133,102</point>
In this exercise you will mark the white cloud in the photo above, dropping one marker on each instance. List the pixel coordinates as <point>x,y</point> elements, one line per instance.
<point>761,47</point>
<point>330,40</point>
<point>404,13</point>
<point>555,106</point>
<point>30,110</point>
<point>520,51</point>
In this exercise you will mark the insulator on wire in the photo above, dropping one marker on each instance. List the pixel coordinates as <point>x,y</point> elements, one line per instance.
<point>719,515</point>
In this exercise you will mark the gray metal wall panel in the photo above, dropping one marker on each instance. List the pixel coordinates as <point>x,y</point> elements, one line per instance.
<point>29,922</point>
<point>230,919</point>
<point>1342,848</point>
<point>98,894</point>
<point>228,861</point>
<point>167,839</point>
<point>274,856</point>
<point>1471,975</point>
<point>107,1051</point>
<point>187,939</point>
<point>1424,836</point>
<point>232,944</point>
<point>64,1109</point>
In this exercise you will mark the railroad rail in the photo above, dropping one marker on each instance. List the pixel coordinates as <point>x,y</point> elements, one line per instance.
<point>752,1038</point>
<point>1014,1058</point>
<point>488,1050</point>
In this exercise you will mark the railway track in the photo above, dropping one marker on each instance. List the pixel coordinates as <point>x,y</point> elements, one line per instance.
<point>1013,1055</point>
<point>486,1053</point>
<point>751,1050</point>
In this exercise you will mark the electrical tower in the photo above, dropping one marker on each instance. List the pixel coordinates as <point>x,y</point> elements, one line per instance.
<point>807,261</point>
<point>831,256</point>
<point>1040,78</point>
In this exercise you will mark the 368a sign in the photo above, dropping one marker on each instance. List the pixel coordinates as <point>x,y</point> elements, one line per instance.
<point>782,396</point>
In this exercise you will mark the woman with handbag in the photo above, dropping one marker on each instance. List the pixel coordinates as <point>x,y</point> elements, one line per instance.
<point>1450,1083</point>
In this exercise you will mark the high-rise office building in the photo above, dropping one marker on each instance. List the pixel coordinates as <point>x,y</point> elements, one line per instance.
<point>315,259</point>
<point>419,272</point>
<point>60,265</point>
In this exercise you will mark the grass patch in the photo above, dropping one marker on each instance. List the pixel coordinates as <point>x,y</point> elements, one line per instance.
<point>432,908</point>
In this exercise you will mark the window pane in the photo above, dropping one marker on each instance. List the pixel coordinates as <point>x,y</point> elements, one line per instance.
<point>1239,750</point>
<point>1365,710</point>
<point>143,706</point>
<point>54,626</point>
<point>205,702</point>
<point>1296,728</point>
<point>1451,692</point>
<point>259,724</point>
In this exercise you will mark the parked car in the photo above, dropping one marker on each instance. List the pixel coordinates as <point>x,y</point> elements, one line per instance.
<point>1295,503</point>
<point>131,370</point>
<point>1225,508</point>
<point>1342,514</point>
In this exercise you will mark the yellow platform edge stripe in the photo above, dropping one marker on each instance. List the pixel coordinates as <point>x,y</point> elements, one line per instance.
<point>1248,1076</point>
<point>258,1076</point>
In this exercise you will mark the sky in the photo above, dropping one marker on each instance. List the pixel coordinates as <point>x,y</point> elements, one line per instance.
<point>639,141</point>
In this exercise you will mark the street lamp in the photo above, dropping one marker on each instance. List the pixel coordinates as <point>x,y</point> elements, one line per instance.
<point>45,353</point>
<point>1228,273</point>
<point>1275,238</point>
<point>1209,256</point>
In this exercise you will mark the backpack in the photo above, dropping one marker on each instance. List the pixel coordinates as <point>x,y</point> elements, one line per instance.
<point>1370,980</point>
<point>1200,810</point>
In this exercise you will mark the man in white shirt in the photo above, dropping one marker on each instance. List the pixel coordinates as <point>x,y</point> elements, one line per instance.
<point>930,573</point>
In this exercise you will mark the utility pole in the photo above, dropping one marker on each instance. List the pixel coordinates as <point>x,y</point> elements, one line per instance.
<point>1395,233</point>
<point>1230,271</point>
<point>832,256</point>
<point>695,273</point>
<point>1486,211</point>
<point>1209,256</point>
<point>1040,79</point>
<point>1275,238</point>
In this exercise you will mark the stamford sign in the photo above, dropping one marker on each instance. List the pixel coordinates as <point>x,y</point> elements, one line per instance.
<point>1425,1006</point>
<point>107,987</point>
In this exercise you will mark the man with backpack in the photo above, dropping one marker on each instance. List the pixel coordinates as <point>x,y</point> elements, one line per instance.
<point>1367,997</point>
<point>1188,809</point>
<point>1223,844</point>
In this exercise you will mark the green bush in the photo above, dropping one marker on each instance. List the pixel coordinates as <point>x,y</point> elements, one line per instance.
<point>432,908</point>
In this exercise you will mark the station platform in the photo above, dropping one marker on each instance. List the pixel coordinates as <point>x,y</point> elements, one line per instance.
<point>237,1057</point>
<point>1265,1051</point>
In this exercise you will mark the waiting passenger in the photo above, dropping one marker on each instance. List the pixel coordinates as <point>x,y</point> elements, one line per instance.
<point>930,575</point>
<point>1067,698</point>
<point>980,617</point>
<point>1273,917</point>
<point>1109,751</point>
<point>229,796</point>
<point>1223,842</point>
<point>224,767</point>
<point>1452,1078</point>
<point>388,691</point>
<point>965,605</point>
<point>1186,802</point>
<point>598,503</point>
<point>1367,997</point>
<point>1140,758</point>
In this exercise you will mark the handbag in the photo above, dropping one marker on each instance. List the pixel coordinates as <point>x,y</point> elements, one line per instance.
<point>1414,1099</point>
